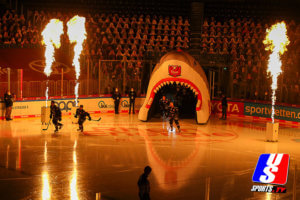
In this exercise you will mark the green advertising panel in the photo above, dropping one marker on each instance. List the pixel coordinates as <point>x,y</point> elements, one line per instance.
<point>264,110</point>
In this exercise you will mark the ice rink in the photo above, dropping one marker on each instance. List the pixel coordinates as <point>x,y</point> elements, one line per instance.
<point>213,161</point>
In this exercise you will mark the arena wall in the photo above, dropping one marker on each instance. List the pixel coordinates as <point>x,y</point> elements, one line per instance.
<point>32,108</point>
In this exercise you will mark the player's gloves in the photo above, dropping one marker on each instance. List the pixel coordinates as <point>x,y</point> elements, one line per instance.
<point>90,118</point>
<point>75,116</point>
<point>50,116</point>
<point>59,119</point>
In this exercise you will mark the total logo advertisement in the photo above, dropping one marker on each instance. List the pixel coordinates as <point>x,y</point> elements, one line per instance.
<point>271,170</point>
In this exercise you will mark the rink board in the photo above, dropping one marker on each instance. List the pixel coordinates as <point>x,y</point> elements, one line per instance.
<point>32,108</point>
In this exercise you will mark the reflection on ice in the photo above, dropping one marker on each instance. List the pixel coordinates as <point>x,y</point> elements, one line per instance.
<point>73,185</point>
<point>73,181</point>
<point>46,192</point>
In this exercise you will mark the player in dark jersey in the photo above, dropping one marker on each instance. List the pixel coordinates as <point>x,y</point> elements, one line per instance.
<point>55,115</point>
<point>173,114</point>
<point>81,114</point>
<point>164,105</point>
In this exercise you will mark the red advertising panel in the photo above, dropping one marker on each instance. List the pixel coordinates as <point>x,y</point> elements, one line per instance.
<point>233,107</point>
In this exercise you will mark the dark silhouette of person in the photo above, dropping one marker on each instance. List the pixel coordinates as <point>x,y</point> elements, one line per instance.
<point>117,97</point>
<point>173,114</point>
<point>144,184</point>
<point>164,105</point>
<point>132,96</point>
<point>55,115</point>
<point>224,107</point>
<point>8,100</point>
<point>81,114</point>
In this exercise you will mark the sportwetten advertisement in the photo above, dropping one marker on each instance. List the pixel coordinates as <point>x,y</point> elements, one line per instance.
<point>264,110</point>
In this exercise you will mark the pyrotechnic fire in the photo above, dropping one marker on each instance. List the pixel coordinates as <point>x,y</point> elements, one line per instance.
<point>77,35</point>
<point>276,41</point>
<point>51,38</point>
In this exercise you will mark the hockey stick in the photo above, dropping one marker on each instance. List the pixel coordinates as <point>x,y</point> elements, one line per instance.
<point>44,129</point>
<point>96,120</point>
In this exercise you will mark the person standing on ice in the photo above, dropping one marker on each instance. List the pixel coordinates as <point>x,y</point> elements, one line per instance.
<point>117,97</point>
<point>55,115</point>
<point>164,105</point>
<point>173,115</point>
<point>224,107</point>
<point>8,100</point>
<point>144,184</point>
<point>81,114</point>
<point>132,96</point>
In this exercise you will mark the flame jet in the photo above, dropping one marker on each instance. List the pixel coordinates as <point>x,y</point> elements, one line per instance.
<point>77,35</point>
<point>276,41</point>
<point>51,39</point>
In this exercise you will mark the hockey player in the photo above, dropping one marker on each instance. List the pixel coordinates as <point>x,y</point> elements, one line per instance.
<point>173,116</point>
<point>164,104</point>
<point>55,115</point>
<point>81,114</point>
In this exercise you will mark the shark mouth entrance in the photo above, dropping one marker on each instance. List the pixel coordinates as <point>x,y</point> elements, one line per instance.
<point>178,69</point>
<point>186,96</point>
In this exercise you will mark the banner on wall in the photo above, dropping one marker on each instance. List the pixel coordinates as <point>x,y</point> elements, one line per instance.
<point>264,110</point>
<point>234,107</point>
<point>99,105</point>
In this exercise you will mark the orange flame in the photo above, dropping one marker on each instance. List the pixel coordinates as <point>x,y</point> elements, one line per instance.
<point>51,39</point>
<point>77,35</point>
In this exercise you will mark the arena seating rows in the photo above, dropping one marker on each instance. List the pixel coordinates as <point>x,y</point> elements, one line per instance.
<point>142,37</point>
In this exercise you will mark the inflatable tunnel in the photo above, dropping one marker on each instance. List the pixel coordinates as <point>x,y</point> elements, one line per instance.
<point>181,69</point>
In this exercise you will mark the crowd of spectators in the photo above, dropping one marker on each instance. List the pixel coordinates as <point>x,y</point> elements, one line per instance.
<point>16,31</point>
<point>135,39</point>
<point>110,37</point>
<point>242,40</point>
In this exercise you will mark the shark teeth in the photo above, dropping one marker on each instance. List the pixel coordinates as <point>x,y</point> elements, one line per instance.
<point>178,83</point>
<point>198,103</point>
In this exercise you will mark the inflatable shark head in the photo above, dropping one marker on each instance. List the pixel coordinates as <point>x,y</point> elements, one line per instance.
<point>182,69</point>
